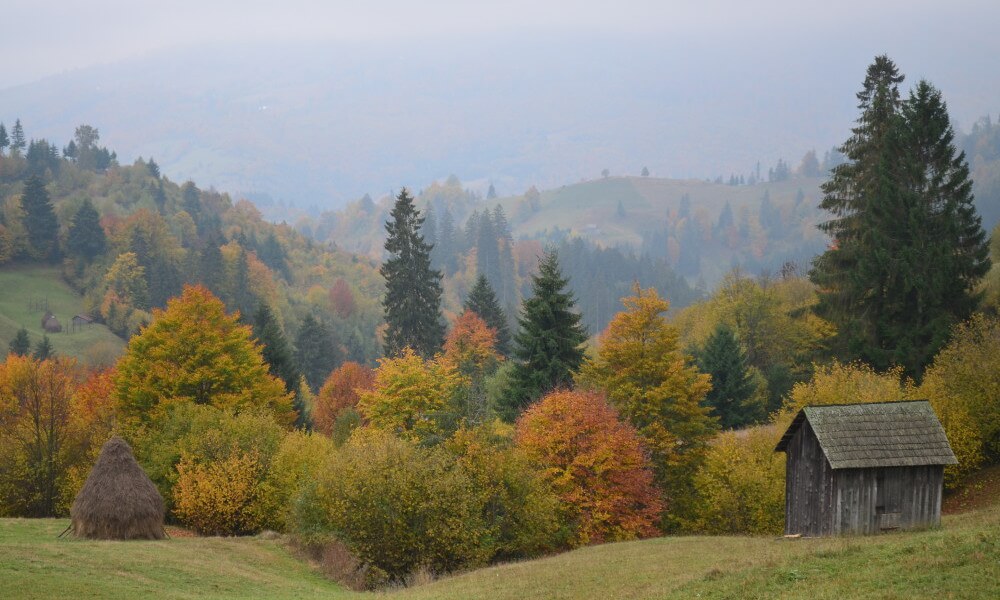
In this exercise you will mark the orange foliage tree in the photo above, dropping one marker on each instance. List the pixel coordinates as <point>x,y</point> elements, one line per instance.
<point>193,352</point>
<point>470,349</point>
<point>653,384</point>
<point>342,299</point>
<point>340,392</point>
<point>596,465</point>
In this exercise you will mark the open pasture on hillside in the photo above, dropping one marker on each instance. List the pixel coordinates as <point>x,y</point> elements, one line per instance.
<point>960,560</point>
<point>24,293</point>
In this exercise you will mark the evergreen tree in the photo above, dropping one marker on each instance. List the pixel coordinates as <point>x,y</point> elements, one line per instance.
<point>154,169</point>
<point>549,344</point>
<point>446,246</point>
<point>160,197</point>
<point>39,218</point>
<point>17,139</point>
<point>488,251</point>
<point>211,266</point>
<point>483,302</point>
<point>21,344</point>
<point>86,236</point>
<point>315,352</point>
<point>732,388</point>
<point>278,356</point>
<point>507,287</point>
<point>44,349</point>
<point>272,254</point>
<point>4,140</point>
<point>243,297</point>
<point>909,247</point>
<point>491,193</point>
<point>413,289</point>
<point>645,172</point>
<point>848,196</point>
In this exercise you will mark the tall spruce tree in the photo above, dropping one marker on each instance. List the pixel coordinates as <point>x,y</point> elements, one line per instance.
<point>483,302</point>
<point>39,219</point>
<point>315,351</point>
<point>908,245</point>
<point>412,288</point>
<point>21,344</point>
<point>549,344</point>
<point>17,139</point>
<point>4,140</point>
<point>732,388</point>
<point>279,358</point>
<point>86,236</point>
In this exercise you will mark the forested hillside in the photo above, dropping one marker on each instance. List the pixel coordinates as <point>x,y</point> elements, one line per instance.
<point>127,239</point>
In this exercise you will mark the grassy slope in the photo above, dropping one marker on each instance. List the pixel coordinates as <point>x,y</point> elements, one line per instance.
<point>961,560</point>
<point>20,285</point>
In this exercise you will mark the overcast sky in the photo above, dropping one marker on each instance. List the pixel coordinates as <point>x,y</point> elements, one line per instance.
<point>45,38</point>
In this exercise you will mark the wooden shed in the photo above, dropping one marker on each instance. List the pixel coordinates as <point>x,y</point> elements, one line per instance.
<point>864,468</point>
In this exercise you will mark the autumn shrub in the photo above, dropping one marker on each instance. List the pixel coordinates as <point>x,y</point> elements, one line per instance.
<point>225,496</point>
<point>412,397</point>
<point>299,457</point>
<point>339,393</point>
<point>596,465</point>
<point>520,508</point>
<point>203,437</point>
<point>963,385</point>
<point>396,506</point>
<point>741,484</point>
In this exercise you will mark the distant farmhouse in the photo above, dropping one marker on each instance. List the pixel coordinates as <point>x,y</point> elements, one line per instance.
<point>50,323</point>
<point>864,468</point>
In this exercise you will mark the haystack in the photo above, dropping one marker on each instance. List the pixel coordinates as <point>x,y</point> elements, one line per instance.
<point>118,501</point>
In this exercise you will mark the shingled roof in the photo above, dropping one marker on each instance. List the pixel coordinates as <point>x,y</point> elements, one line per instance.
<point>884,434</point>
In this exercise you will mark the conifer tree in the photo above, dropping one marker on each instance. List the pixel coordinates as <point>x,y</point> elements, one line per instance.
<point>908,245</point>
<point>44,349</point>
<point>413,289</point>
<point>315,351</point>
<point>39,218</point>
<point>4,140</point>
<point>21,344</point>
<point>491,193</point>
<point>86,236</point>
<point>732,388</point>
<point>278,356</point>
<point>483,302</point>
<point>17,139</point>
<point>549,344</point>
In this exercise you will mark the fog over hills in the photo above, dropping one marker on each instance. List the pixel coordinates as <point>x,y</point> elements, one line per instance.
<point>320,123</point>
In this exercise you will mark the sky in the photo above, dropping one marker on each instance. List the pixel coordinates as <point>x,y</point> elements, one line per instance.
<point>321,102</point>
<point>69,34</point>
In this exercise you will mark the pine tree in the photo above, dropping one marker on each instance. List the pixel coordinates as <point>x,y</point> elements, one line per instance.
<point>86,236</point>
<point>549,343</point>
<point>732,388</point>
<point>413,289</point>
<point>315,352</point>
<point>908,245</point>
<point>483,302</point>
<point>4,140</point>
<point>21,344</point>
<point>848,195</point>
<point>39,218</point>
<point>44,349</point>
<point>925,246</point>
<point>278,356</point>
<point>17,139</point>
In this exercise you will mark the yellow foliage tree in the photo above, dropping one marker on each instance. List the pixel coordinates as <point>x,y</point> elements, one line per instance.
<point>652,383</point>
<point>741,485</point>
<point>224,497</point>
<point>193,352</point>
<point>411,397</point>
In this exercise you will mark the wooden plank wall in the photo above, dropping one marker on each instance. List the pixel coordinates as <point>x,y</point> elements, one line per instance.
<point>868,501</point>
<point>808,486</point>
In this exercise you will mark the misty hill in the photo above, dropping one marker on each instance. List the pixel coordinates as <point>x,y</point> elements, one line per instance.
<point>324,123</point>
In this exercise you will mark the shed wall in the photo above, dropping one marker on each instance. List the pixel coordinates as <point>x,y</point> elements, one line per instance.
<point>808,486</point>
<point>885,498</point>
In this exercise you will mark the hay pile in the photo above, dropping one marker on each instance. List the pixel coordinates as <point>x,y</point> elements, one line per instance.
<point>118,501</point>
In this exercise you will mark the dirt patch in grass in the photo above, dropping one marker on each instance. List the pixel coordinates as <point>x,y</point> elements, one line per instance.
<point>981,490</point>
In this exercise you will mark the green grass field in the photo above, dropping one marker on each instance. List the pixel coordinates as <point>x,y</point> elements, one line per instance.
<point>21,286</point>
<point>960,560</point>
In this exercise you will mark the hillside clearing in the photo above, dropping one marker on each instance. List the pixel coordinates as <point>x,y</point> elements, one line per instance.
<point>961,560</point>
<point>24,286</point>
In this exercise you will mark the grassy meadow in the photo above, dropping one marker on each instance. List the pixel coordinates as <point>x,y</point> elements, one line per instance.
<point>960,560</point>
<point>23,285</point>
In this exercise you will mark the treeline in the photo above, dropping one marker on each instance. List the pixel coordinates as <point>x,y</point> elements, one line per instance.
<point>129,239</point>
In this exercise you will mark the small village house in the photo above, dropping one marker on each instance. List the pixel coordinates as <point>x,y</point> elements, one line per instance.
<point>864,468</point>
